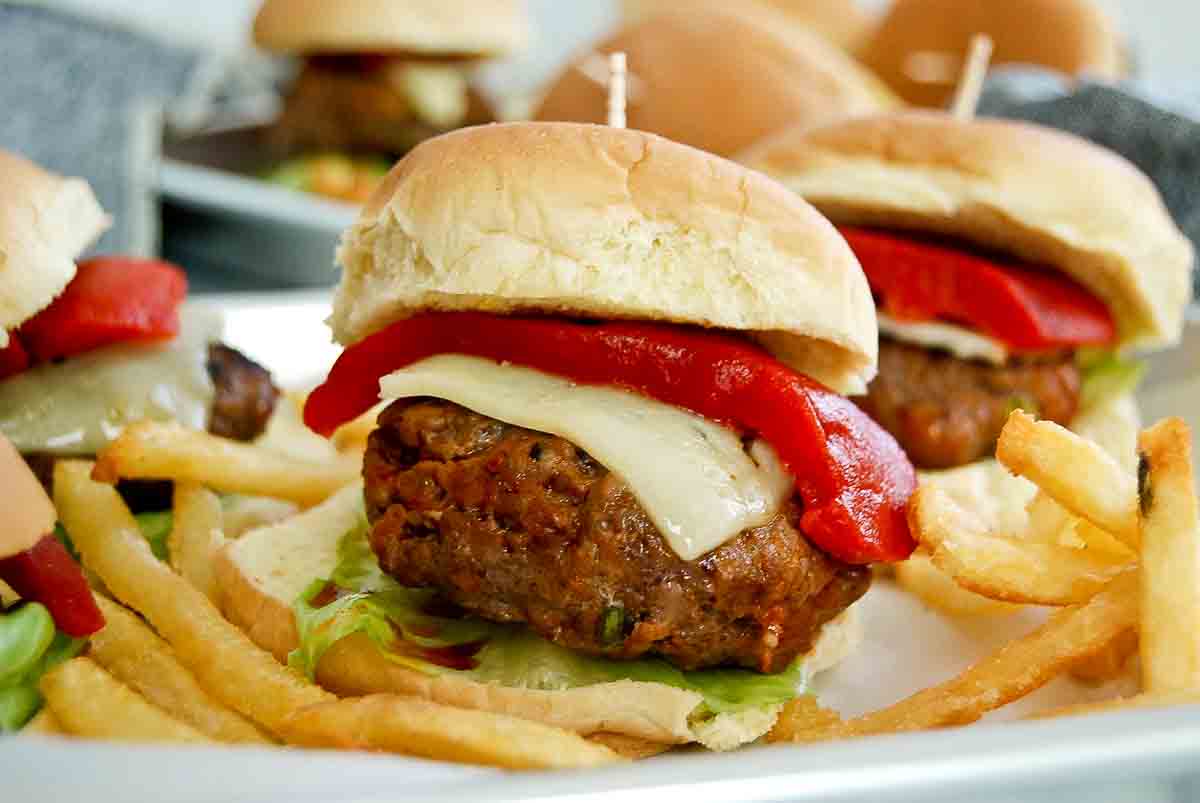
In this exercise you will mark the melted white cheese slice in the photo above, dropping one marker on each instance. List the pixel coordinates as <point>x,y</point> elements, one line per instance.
<point>692,476</point>
<point>438,92</point>
<point>960,342</point>
<point>78,406</point>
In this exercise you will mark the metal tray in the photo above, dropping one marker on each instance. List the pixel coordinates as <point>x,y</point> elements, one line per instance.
<point>1144,756</point>
<point>235,231</point>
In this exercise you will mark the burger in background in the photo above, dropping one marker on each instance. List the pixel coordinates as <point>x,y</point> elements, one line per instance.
<point>720,80</point>
<point>87,349</point>
<point>842,22</point>
<point>1014,267</point>
<point>920,46</point>
<point>613,489</point>
<point>377,77</point>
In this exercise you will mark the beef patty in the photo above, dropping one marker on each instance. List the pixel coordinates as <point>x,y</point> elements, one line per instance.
<point>338,104</point>
<point>947,412</point>
<point>521,526</point>
<point>243,401</point>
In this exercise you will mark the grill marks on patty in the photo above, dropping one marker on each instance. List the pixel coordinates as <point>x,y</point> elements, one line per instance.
<point>948,412</point>
<point>521,526</point>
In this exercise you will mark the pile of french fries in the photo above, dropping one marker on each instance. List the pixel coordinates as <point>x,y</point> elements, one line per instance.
<point>168,667</point>
<point>1115,554</point>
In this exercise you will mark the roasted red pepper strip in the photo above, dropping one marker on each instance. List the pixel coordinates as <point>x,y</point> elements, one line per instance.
<point>853,478</point>
<point>46,573</point>
<point>110,300</point>
<point>1028,310</point>
<point>13,357</point>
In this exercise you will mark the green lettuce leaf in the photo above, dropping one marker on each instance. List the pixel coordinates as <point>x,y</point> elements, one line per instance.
<point>156,527</point>
<point>406,626</point>
<point>1106,376</point>
<point>29,647</point>
<point>18,704</point>
<point>25,634</point>
<point>297,173</point>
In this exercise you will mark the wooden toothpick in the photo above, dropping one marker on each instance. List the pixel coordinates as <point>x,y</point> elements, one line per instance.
<point>617,66</point>
<point>970,83</point>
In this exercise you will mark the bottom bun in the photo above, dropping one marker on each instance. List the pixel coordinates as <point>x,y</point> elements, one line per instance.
<point>263,572</point>
<point>999,497</point>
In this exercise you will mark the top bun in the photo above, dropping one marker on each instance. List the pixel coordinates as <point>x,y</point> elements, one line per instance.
<point>441,27</point>
<point>920,46</point>
<point>841,22</point>
<point>1044,196</point>
<point>599,222</point>
<point>721,80</point>
<point>46,221</point>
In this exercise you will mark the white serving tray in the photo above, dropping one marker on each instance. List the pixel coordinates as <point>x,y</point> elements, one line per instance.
<point>1140,756</point>
<point>219,216</point>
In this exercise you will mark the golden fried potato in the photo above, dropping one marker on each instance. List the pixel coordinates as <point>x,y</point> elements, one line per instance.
<point>153,450</point>
<point>227,664</point>
<point>430,730</point>
<point>1170,623</point>
<point>91,703</point>
<point>137,657</point>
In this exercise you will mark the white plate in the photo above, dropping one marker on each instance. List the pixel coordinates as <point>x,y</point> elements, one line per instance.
<point>1134,756</point>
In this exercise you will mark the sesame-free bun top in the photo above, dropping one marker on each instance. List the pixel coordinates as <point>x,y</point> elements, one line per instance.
<point>1044,196</point>
<point>597,222</point>
<point>920,45</point>
<point>720,80</point>
<point>842,22</point>
<point>46,221</point>
<point>434,27</point>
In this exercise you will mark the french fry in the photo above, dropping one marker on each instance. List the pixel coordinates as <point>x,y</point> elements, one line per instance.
<point>429,730</point>
<point>196,535</point>
<point>1144,700</point>
<point>91,703</point>
<point>1000,567</point>
<point>805,720</point>
<point>630,747</point>
<point>919,576</point>
<point>1110,663</point>
<point>352,436</point>
<point>1051,523</point>
<point>1170,624</point>
<point>241,514</point>
<point>153,450</point>
<point>227,664</point>
<point>45,724</point>
<point>286,434</point>
<point>1015,670</point>
<point>1079,474</point>
<point>137,657</point>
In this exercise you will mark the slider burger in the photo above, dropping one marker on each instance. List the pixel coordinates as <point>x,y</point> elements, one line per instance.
<point>1013,266</point>
<point>378,77</point>
<point>86,349</point>
<point>720,80</point>
<point>842,22</point>
<point>613,487</point>
<point>920,46</point>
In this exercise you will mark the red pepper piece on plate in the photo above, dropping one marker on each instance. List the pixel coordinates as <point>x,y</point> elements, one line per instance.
<point>853,478</point>
<point>1027,309</point>
<point>46,573</point>
<point>110,300</point>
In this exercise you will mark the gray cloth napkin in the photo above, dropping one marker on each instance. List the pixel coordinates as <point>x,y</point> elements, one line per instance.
<point>85,99</point>
<point>1157,131</point>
